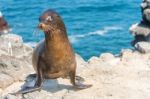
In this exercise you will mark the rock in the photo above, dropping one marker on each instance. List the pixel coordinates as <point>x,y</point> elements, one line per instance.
<point>15,59</point>
<point>107,56</point>
<point>140,29</point>
<point>109,60</point>
<point>13,38</point>
<point>16,48</point>
<point>146,14</point>
<point>126,54</point>
<point>93,60</point>
<point>145,4</point>
<point>9,96</point>
<point>112,77</point>
<point>141,32</point>
<point>143,47</point>
<point>80,60</point>
<point>12,70</point>
<point>12,45</point>
<point>81,63</point>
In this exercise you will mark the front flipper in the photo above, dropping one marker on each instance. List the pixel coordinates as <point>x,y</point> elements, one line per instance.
<point>38,84</point>
<point>27,90</point>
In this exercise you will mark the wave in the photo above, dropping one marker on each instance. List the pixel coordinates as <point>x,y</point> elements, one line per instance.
<point>75,38</point>
<point>32,44</point>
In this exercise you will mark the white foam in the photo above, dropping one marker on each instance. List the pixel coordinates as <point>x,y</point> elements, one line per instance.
<point>32,44</point>
<point>133,27</point>
<point>75,38</point>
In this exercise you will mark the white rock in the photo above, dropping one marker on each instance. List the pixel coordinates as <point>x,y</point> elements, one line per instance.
<point>80,60</point>
<point>126,54</point>
<point>12,38</point>
<point>144,5</point>
<point>147,14</point>
<point>12,45</point>
<point>81,63</point>
<point>140,29</point>
<point>107,56</point>
<point>143,47</point>
<point>93,60</point>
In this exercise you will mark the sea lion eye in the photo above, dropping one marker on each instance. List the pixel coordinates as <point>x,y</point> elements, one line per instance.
<point>49,18</point>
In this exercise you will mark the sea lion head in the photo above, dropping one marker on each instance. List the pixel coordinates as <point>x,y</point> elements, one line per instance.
<point>4,28</point>
<point>51,21</point>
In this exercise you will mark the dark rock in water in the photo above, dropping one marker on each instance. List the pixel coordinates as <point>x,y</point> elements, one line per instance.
<point>145,4</point>
<point>145,8</point>
<point>141,32</point>
<point>140,29</point>
<point>138,38</point>
<point>146,16</point>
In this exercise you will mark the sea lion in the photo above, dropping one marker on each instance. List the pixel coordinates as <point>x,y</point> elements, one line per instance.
<point>4,28</point>
<point>54,56</point>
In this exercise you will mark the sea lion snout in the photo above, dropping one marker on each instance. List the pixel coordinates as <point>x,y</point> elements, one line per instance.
<point>43,26</point>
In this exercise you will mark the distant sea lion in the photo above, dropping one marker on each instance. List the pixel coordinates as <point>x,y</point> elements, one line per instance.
<point>54,56</point>
<point>4,28</point>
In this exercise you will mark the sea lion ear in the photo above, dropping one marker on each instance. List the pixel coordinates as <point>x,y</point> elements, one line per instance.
<point>1,15</point>
<point>49,18</point>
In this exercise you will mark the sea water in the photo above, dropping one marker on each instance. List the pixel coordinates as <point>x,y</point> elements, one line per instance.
<point>93,26</point>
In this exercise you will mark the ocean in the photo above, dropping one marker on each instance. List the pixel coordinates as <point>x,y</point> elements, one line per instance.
<point>93,26</point>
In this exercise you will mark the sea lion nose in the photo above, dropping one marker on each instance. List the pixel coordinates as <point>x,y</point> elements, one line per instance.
<point>41,25</point>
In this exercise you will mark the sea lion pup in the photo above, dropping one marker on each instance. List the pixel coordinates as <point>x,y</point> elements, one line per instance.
<point>54,57</point>
<point>4,28</point>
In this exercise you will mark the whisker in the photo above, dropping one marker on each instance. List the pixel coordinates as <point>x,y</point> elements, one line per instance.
<point>35,32</point>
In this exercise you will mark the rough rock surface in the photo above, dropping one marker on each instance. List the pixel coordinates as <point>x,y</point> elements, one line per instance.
<point>113,77</point>
<point>141,30</point>
<point>143,47</point>
<point>12,45</point>
<point>124,77</point>
<point>15,60</point>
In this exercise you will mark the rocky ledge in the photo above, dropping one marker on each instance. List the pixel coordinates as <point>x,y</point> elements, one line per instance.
<point>141,30</point>
<point>125,76</point>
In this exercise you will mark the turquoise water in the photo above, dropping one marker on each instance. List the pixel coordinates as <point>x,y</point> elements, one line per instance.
<point>94,26</point>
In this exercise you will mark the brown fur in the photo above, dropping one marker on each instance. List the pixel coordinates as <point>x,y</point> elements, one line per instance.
<point>54,57</point>
<point>3,25</point>
<point>55,52</point>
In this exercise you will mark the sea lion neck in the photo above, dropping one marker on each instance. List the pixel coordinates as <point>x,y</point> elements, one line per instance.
<point>53,39</point>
